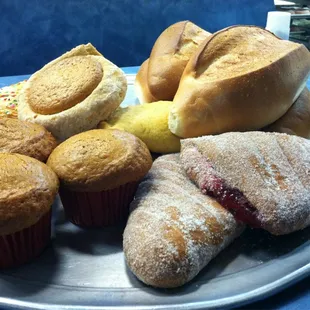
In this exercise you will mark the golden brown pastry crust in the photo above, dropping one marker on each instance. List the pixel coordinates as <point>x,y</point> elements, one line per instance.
<point>61,86</point>
<point>28,188</point>
<point>100,159</point>
<point>141,86</point>
<point>85,115</point>
<point>25,138</point>
<point>169,57</point>
<point>241,78</point>
<point>296,121</point>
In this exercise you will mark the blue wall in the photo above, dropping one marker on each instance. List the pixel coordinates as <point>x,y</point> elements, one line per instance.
<point>33,32</point>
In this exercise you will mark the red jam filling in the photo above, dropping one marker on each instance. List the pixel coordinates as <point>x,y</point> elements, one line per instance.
<point>233,200</point>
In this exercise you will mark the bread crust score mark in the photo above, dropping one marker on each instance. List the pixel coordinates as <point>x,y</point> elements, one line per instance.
<point>169,57</point>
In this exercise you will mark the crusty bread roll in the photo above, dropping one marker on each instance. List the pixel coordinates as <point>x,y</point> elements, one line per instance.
<point>174,230</point>
<point>141,86</point>
<point>241,78</point>
<point>73,93</point>
<point>262,178</point>
<point>168,58</point>
<point>149,122</point>
<point>296,121</point>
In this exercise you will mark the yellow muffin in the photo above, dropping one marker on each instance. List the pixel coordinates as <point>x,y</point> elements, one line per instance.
<point>149,122</point>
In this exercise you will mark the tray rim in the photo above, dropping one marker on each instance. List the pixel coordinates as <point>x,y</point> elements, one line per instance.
<point>224,303</point>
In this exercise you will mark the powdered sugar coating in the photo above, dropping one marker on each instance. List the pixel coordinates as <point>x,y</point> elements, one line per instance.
<point>174,230</point>
<point>272,171</point>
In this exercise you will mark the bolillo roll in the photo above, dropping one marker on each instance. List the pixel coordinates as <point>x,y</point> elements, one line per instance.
<point>159,77</point>
<point>241,78</point>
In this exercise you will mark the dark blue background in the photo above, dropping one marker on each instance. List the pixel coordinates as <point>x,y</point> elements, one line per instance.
<point>33,32</point>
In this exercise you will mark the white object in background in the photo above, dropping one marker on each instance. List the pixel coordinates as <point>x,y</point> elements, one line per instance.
<point>279,24</point>
<point>281,2</point>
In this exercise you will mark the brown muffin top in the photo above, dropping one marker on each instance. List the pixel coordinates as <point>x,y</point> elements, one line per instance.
<point>100,159</point>
<point>28,188</point>
<point>25,138</point>
<point>64,84</point>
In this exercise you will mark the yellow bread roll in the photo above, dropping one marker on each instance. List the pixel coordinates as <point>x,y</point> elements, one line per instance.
<point>149,122</point>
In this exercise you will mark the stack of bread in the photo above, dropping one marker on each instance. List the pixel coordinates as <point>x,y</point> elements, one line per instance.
<point>236,86</point>
<point>238,79</point>
<point>214,100</point>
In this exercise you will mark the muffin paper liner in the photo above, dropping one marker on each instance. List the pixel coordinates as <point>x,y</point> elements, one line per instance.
<point>98,209</point>
<point>22,246</point>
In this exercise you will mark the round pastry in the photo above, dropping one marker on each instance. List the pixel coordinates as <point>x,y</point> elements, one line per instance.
<point>149,122</point>
<point>25,138</point>
<point>99,171</point>
<point>28,188</point>
<point>9,99</point>
<point>73,93</point>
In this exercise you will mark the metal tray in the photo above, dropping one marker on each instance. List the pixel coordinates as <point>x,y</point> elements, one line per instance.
<point>85,269</point>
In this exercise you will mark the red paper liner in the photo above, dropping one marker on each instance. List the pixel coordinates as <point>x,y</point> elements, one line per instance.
<point>98,209</point>
<point>22,246</point>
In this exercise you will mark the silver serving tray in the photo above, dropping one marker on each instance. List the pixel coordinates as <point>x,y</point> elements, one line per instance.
<point>85,269</point>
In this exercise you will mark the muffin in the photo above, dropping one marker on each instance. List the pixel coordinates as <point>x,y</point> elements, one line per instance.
<point>28,188</point>
<point>25,138</point>
<point>99,171</point>
<point>149,122</point>
<point>73,93</point>
<point>9,99</point>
